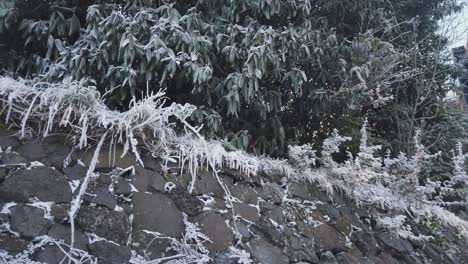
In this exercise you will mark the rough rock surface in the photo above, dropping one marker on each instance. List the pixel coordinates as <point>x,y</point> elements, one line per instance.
<point>62,232</point>
<point>101,196</point>
<point>326,238</point>
<point>109,253</point>
<point>105,223</point>
<point>29,221</point>
<point>156,212</point>
<point>269,218</point>
<point>49,254</point>
<point>264,252</point>
<point>214,226</point>
<point>22,185</point>
<point>11,244</point>
<point>146,245</point>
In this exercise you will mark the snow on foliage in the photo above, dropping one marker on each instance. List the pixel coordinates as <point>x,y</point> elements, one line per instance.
<point>384,181</point>
<point>397,225</point>
<point>242,256</point>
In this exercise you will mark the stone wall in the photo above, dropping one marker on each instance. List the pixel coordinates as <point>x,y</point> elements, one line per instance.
<point>278,221</point>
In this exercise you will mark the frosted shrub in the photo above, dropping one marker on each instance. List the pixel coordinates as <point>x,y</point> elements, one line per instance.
<point>397,225</point>
<point>387,182</point>
<point>302,156</point>
<point>332,145</point>
<point>240,255</point>
<point>459,181</point>
<point>366,155</point>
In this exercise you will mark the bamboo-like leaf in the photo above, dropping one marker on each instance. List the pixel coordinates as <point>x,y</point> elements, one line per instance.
<point>74,25</point>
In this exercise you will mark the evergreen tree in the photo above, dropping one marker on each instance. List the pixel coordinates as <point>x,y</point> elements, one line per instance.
<point>263,73</point>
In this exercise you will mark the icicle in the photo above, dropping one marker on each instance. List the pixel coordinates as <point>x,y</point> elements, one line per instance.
<point>26,115</point>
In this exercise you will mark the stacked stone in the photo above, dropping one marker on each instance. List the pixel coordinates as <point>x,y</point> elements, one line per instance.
<point>276,220</point>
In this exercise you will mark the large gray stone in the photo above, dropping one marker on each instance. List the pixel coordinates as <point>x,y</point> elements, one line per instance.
<point>109,161</point>
<point>246,211</point>
<point>29,221</point>
<point>123,187</point>
<point>436,254</point>
<point>110,253</point>
<point>186,202</point>
<point>206,183</point>
<point>49,254</point>
<point>156,182</point>
<point>106,223</point>
<point>3,217</point>
<point>214,226</point>
<point>75,172</point>
<point>265,252</point>
<point>151,162</point>
<point>342,224</point>
<point>299,249</point>
<point>59,212</point>
<point>150,247</point>
<point>326,238</point>
<point>156,212</point>
<point>329,210</point>
<point>276,214</point>
<point>272,192</point>
<point>33,151</point>
<point>365,241</point>
<point>12,158</point>
<point>44,183</point>
<point>3,174</point>
<point>244,230</point>
<point>328,258</point>
<point>141,179</point>
<point>101,196</point>
<point>300,190</point>
<point>244,193</point>
<point>8,139</point>
<point>11,244</point>
<point>394,244</point>
<point>384,258</point>
<point>62,232</point>
<point>353,257</point>
<point>225,258</point>
<point>51,151</point>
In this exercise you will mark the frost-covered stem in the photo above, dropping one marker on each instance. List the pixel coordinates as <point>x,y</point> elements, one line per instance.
<point>228,193</point>
<point>193,129</point>
<point>77,201</point>
<point>26,115</point>
<point>159,260</point>
<point>363,144</point>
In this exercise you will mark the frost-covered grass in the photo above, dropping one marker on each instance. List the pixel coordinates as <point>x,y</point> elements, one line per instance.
<point>148,124</point>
